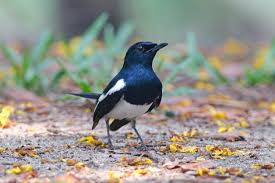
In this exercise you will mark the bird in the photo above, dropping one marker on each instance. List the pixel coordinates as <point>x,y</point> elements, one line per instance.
<point>134,91</point>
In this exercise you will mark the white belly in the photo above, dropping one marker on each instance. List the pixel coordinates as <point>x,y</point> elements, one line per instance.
<point>124,109</point>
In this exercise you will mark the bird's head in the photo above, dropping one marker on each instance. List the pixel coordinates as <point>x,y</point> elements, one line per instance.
<point>142,53</point>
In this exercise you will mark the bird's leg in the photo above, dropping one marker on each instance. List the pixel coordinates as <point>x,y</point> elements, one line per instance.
<point>139,137</point>
<point>108,134</point>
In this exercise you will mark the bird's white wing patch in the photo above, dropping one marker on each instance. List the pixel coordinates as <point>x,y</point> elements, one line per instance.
<point>118,86</point>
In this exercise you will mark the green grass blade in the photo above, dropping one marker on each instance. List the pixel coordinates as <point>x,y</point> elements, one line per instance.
<point>90,35</point>
<point>181,91</point>
<point>214,73</point>
<point>122,36</point>
<point>177,70</point>
<point>57,78</point>
<point>11,55</point>
<point>42,47</point>
<point>84,86</point>
<point>26,71</point>
<point>191,44</point>
<point>108,35</point>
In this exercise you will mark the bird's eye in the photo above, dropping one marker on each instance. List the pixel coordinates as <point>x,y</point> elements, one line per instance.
<point>140,48</point>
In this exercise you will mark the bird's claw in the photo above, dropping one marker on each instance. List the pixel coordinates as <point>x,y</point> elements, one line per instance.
<point>143,147</point>
<point>110,145</point>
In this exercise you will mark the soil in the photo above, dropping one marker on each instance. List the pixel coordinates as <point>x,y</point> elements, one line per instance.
<point>53,133</point>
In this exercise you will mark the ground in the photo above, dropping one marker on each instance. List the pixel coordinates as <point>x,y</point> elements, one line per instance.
<point>226,135</point>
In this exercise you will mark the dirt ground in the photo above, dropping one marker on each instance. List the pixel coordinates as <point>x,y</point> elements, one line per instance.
<point>48,139</point>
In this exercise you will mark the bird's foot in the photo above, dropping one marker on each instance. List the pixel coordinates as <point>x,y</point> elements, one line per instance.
<point>143,147</point>
<point>110,145</point>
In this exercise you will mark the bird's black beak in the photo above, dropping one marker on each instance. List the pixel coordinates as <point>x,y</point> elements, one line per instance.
<point>157,47</point>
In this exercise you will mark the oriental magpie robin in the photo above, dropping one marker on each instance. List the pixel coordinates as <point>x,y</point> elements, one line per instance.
<point>134,91</point>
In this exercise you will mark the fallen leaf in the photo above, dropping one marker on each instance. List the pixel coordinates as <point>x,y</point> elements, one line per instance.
<point>18,169</point>
<point>223,129</point>
<point>2,149</point>
<point>193,132</point>
<point>184,102</point>
<point>135,161</point>
<point>92,140</point>
<point>219,152</point>
<point>5,122</point>
<point>268,166</point>
<point>227,136</point>
<point>113,177</point>
<point>177,138</point>
<point>235,171</point>
<point>26,151</point>
<point>71,162</point>
<point>67,178</point>
<point>205,171</point>
<point>141,172</point>
<point>243,124</point>
<point>188,166</point>
<point>183,149</point>
<point>79,165</point>
<point>129,135</point>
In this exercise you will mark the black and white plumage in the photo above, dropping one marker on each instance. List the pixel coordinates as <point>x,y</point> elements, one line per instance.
<point>134,91</point>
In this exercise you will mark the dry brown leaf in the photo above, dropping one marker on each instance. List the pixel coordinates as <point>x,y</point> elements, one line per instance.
<point>227,136</point>
<point>26,151</point>
<point>188,166</point>
<point>135,161</point>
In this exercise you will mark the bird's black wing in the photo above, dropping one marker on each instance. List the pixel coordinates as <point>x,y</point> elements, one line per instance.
<point>86,95</point>
<point>156,103</point>
<point>118,123</point>
<point>104,106</point>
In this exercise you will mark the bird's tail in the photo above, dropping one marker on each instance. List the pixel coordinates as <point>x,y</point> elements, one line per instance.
<point>86,95</point>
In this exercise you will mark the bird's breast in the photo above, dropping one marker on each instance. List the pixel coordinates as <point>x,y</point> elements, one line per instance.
<point>124,109</point>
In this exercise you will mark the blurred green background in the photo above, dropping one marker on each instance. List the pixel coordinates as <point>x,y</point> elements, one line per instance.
<point>212,21</point>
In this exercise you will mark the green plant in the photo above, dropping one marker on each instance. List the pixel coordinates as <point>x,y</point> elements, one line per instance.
<point>191,65</point>
<point>28,67</point>
<point>265,74</point>
<point>100,66</point>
